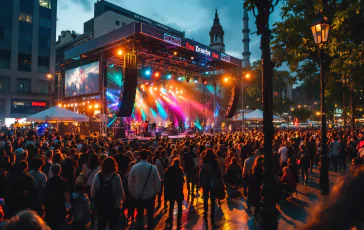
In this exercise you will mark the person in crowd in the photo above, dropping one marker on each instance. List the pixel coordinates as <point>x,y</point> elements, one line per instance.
<point>210,172</point>
<point>190,168</point>
<point>129,202</point>
<point>144,184</point>
<point>287,184</point>
<point>255,183</point>
<point>107,192</point>
<point>162,164</point>
<point>123,162</point>
<point>335,152</point>
<point>304,164</point>
<point>90,170</point>
<point>26,220</point>
<point>3,222</point>
<point>173,190</point>
<point>39,179</point>
<point>173,156</point>
<point>234,174</point>
<point>69,173</point>
<point>56,200</point>
<point>228,159</point>
<point>48,161</point>
<point>20,189</point>
<point>80,210</point>
<point>283,152</point>
<point>247,169</point>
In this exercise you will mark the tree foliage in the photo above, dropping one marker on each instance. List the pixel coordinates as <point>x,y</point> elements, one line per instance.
<point>302,114</point>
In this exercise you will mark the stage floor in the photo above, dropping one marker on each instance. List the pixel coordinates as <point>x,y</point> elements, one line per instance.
<point>141,138</point>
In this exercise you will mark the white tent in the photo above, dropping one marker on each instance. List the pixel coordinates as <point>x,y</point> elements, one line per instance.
<point>57,114</point>
<point>257,115</point>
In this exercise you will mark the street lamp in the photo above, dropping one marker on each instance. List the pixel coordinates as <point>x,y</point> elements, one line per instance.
<point>247,76</point>
<point>59,78</point>
<point>320,31</point>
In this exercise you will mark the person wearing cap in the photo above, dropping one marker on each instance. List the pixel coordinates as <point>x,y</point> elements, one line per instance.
<point>21,154</point>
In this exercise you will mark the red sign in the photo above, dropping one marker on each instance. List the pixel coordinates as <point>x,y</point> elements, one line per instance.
<point>190,47</point>
<point>38,104</point>
<point>215,55</point>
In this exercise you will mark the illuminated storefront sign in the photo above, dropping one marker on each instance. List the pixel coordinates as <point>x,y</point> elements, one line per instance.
<point>203,51</point>
<point>215,55</point>
<point>172,39</point>
<point>225,57</point>
<point>40,104</point>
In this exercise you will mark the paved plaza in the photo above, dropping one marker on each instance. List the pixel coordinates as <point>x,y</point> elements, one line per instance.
<point>233,214</point>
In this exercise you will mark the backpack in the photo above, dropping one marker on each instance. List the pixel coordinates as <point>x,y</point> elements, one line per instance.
<point>104,195</point>
<point>206,175</point>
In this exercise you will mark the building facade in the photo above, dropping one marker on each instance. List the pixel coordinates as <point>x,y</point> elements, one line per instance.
<point>217,35</point>
<point>27,56</point>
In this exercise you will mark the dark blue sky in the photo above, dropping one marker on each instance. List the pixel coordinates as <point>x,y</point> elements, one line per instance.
<point>195,17</point>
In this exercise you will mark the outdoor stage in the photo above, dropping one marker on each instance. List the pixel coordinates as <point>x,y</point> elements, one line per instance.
<point>139,72</point>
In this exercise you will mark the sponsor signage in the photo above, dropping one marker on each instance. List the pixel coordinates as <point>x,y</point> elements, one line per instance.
<point>203,51</point>
<point>27,106</point>
<point>188,44</point>
<point>225,57</point>
<point>172,39</point>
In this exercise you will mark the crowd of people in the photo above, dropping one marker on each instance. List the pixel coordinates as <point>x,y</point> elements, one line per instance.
<point>73,182</point>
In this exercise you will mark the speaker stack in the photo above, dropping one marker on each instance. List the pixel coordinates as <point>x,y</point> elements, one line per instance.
<point>127,96</point>
<point>233,102</point>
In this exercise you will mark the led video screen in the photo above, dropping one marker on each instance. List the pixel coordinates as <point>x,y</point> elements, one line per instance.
<point>83,80</point>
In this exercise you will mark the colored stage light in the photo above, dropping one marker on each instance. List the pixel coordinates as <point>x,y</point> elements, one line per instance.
<point>192,58</point>
<point>169,91</point>
<point>96,106</point>
<point>142,86</point>
<point>59,105</point>
<point>205,82</point>
<point>111,66</point>
<point>148,72</point>
<point>179,78</point>
<point>169,76</point>
<point>90,106</point>
<point>155,89</point>
<point>175,53</point>
<point>83,103</point>
<point>156,74</point>
<point>226,79</point>
<point>120,52</point>
<point>76,104</point>
<point>206,72</point>
<point>181,91</point>
<point>170,87</point>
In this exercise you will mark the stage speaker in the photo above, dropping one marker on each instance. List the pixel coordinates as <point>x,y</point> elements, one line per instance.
<point>158,134</point>
<point>173,132</point>
<point>188,132</point>
<point>119,132</point>
<point>127,95</point>
<point>147,134</point>
<point>233,102</point>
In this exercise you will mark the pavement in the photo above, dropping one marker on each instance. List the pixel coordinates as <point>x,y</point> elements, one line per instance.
<point>233,213</point>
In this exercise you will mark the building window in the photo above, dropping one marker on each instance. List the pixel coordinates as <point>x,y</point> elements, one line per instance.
<point>1,33</point>
<point>43,86</point>
<point>23,85</point>
<point>43,64</point>
<point>123,24</point>
<point>4,84</point>
<point>117,23</point>
<point>25,62</point>
<point>5,59</point>
<point>24,17</point>
<point>45,22</point>
<point>45,3</point>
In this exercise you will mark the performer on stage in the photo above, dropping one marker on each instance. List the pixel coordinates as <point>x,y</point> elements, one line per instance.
<point>212,127</point>
<point>203,126</point>
<point>154,126</point>
<point>230,128</point>
<point>180,125</point>
<point>223,127</point>
<point>192,126</point>
<point>146,128</point>
<point>195,125</point>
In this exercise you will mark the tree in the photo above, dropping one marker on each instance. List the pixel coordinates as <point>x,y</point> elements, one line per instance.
<point>302,114</point>
<point>293,43</point>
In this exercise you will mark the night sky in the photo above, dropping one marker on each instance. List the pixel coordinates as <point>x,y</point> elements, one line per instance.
<point>195,17</point>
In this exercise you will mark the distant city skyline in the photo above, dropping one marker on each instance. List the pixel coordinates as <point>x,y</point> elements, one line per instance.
<point>193,17</point>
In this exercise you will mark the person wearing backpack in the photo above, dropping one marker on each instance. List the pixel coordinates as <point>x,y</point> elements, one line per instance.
<point>210,172</point>
<point>80,207</point>
<point>107,192</point>
<point>162,164</point>
<point>144,184</point>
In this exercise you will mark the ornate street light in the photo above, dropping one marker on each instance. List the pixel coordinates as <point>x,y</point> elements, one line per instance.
<point>320,31</point>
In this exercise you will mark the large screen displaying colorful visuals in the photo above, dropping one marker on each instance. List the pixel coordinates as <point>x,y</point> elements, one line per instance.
<point>83,80</point>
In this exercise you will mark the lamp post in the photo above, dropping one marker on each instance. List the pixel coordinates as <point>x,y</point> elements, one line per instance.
<point>320,31</point>
<point>247,76</point>
<point>59,79</point>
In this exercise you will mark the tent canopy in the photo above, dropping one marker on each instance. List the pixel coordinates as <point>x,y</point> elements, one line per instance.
<point>57,114</point>
<point>257,115</point>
